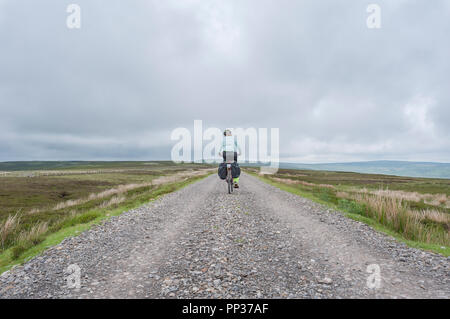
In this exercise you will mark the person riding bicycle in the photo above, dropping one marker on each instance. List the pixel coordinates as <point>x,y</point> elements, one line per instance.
<point>230,151</point>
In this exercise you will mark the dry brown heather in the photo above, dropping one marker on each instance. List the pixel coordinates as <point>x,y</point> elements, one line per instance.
<point>34,233</point>
<point>296,181</point>
<point>430,199</point>
<point>121,189</point>
<point>71,172</point>
<point>414,224</point>
<point>8,228</point>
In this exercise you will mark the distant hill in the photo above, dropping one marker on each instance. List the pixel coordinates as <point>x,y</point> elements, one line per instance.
<point>39,165</point>
<point>49,165</point>
<point>399,168</point>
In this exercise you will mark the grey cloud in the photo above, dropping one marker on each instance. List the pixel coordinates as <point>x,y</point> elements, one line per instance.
<point>138,69</point>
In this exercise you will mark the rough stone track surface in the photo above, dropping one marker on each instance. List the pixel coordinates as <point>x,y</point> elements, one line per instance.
<point>259,242</point>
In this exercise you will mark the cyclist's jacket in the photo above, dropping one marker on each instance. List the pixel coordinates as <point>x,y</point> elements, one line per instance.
<point>229,144</point>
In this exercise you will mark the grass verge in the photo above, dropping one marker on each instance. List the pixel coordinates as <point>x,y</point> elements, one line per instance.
<point>78,223</point>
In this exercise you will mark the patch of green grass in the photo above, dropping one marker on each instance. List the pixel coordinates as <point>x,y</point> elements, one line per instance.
<point>351,207</point>
<point>22,246</point>
<point>325,194</point>
<point>81,219</point>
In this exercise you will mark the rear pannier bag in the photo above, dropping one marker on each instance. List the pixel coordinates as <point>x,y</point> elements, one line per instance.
<point>235,170</point>
<point>222,172</point>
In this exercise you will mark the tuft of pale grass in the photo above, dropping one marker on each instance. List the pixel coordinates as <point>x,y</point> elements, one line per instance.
<point>113,201</point>
<point>121,189</point>
<point>34,234</point>
<point>391,211</point>
<point>294,181</point>
<point>436,217</point>
<point>29,238</point>
<point>34,211</point>
<point>341,194</point>
<point>8,228</point>
<point>437,200</point>
<point>95,196</point>
<point>430,199</point>
<point>286,180</point>
<point>69,203</point>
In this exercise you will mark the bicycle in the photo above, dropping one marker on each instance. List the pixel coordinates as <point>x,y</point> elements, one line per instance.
<point>229,158</point>
<point>229,179</point>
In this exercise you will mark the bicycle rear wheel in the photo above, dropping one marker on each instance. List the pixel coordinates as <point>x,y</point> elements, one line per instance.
<point>229,181</point>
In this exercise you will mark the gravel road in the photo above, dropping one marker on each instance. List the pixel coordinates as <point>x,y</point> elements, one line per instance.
<point>259,242</point>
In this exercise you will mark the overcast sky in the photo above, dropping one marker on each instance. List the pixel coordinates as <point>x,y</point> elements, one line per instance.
<point>116,88</point>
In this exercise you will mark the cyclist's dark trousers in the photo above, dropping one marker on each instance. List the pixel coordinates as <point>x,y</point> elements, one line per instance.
<point>230,155</point>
